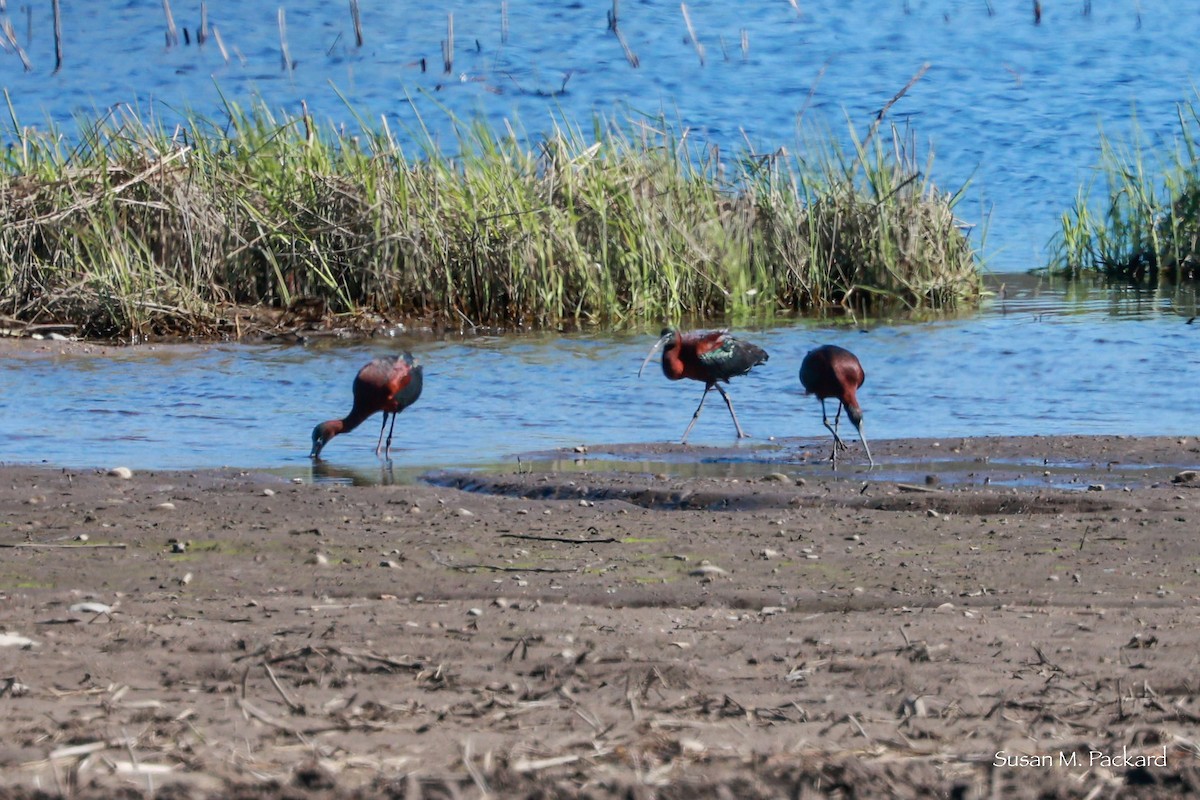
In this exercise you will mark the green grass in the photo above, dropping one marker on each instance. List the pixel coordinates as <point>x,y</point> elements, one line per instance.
<point>1140,220</point>
<point>128,228</point>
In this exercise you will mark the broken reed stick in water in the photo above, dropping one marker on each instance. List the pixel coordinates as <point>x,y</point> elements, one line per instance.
<point>172,31</point>
<point>448,45</point>
<point>356,18</point>
<point>283,45</point>
<point>202,32</point>
<point>887,106</point>
<point>630,56</point>
<point>220,44</point>
<point>57,35</point>
<point>687,18</point>
<point>11,36</point>
<point>504,22</point>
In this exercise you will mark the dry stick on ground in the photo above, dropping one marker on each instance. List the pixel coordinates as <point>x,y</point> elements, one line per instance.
<point>293,706</point>
<point>563,539</point>
<point>40,546</point>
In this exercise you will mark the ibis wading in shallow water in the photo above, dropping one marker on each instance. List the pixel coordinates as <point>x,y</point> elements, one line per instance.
<point>710,357</point>
<point>834,372</point>
<point>389,385</point>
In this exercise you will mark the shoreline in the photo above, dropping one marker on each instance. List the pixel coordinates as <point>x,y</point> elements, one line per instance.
<point>574,633</point>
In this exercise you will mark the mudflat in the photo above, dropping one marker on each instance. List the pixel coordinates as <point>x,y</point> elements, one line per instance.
<point>1017,618</point>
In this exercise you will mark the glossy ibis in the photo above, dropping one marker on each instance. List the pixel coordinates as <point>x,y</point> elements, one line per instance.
<point>710,357</point>
<point>389,385</point>
<point>834,372</point>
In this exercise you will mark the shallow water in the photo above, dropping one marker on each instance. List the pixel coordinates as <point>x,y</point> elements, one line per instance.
<point>1011,106</point>
<point>1036,362</point>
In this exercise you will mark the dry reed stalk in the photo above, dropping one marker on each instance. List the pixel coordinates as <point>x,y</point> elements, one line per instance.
<point>504,22</point>
<point>220,44</point>
<point>202,32</point>
<point>57,35</point>
<point>172,31</point>
<point>613,14</point>
<point>796,5</point>
<point>11,36</point>
<point>448,45</point>
<point>284,55</point>
<point>687,18</point>
<point>630,56</point>
<point>896,97</point>
<point>356,17</point>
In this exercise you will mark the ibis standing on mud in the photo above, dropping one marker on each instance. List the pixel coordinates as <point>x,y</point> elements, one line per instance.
<point>834,372</point>
<point>389,385</point>
<point>711,357</point>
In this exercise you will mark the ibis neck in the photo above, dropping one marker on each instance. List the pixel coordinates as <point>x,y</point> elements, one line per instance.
<point>352,420</point>
<point>672,364</point>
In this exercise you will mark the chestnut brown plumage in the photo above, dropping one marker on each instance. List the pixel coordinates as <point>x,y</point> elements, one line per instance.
<point>834,372</point>
<point>389,385</point>
<point>711,357</point>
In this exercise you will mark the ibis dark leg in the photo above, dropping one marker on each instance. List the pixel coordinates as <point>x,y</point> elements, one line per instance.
<point>729,405</point>
<point>388,451</point>
<point>382,427</point>
<point>870,460</point>
<point>837,440</point>
<point>696,416</point>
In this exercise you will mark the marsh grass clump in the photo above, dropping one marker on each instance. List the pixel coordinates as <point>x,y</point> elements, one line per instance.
<point>1145,226</point>
<point>134,229</point>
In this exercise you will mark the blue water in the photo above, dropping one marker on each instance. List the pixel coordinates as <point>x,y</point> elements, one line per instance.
<point>1036,363</point>
<point>1011,106</point>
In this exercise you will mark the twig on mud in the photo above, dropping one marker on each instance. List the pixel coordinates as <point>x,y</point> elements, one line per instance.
<point>857,724</point>
<point>86,749</point>
<point>525,765</point>
<point>912,487</point>
<point>498,568</point>
<point>250,710</point>
<point>1043,660</point>
<point>355,656</point>
<point>42,546</point>
<point>473,770</point>
<point>293,706</point>
<point>564,539</point>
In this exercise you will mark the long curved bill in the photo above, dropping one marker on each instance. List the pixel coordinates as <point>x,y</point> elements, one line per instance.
<point>657,346</point>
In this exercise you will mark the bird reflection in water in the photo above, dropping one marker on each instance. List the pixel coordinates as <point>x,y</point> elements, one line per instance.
<point>383,475</point>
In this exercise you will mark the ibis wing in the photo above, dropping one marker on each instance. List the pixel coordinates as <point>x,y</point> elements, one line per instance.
<point>731,357</point>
